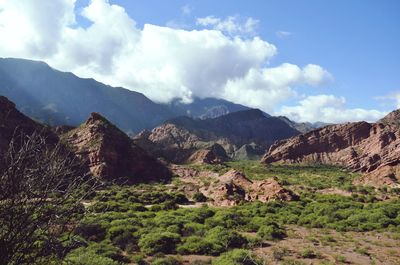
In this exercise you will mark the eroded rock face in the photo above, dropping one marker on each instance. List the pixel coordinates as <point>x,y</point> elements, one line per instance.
<point>373,149</point>
<point>111,154</point>
<point>234,187</point>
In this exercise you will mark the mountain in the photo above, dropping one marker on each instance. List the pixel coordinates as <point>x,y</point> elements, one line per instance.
<point>111,154</point>
<point>206,108</point>
<point>362,147</point>
<point>60,98</point>
<point>178,138</point>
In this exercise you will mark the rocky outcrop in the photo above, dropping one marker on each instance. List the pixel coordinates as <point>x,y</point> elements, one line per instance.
<point>178,139</point>
<point>234,187</point>
<point>111,154</point>
<point>373,149</point>
<point>213,155</point>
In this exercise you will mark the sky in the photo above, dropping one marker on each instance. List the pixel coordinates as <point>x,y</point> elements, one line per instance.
<point>310,60</point>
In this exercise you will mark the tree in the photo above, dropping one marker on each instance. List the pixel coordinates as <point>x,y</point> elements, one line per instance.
<point>41,187</point>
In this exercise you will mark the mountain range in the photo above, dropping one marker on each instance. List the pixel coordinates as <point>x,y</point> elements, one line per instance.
<point>61,98</point>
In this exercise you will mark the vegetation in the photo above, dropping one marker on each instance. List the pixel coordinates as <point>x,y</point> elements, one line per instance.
<point>144,224</point>
<point>156,230</point>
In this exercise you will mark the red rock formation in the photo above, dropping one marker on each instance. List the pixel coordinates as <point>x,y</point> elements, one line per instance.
<point>111,154</point>
<point>234,187</point>
<point>363,147</point>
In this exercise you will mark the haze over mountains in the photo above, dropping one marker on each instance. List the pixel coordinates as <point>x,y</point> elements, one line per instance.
<point>61,98</point>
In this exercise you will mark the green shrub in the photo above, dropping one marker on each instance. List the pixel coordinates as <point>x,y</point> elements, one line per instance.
<point>238,257</point>
<point>271,232</point>
<point>97,253</point>
<point>164,242</point>
<point>199,197</point>
<point>195,245</point>
<point>91,231</point>
<point>223,239</point>
<point>83,257</point>
<point>308,254</point>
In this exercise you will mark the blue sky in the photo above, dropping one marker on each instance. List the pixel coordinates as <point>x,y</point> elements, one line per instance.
<point>311,60</point>
<point>357,41</point>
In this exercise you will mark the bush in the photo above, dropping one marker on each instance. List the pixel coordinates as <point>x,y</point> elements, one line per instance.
<point>223,239</point>
<point>82,257</point>
<point>271,232</point>
<point>238,257</point>
<point>164,242</point>
<point>308,254</point>
<point>195,245</point>
<point>91,231</point>
<point>96,253</point>
<point>199,197</point>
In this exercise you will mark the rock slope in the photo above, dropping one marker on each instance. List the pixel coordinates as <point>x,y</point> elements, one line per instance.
<point>363,147</point>
<point>111,154</point>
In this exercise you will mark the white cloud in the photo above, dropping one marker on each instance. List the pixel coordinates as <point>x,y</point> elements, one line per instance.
<point>315,75</point>
<point>232,25</point>
<point>283,34</point>
<point>328,108</point>
<point>161,62</point>
<point>266,88</point>
<point>392,98</point>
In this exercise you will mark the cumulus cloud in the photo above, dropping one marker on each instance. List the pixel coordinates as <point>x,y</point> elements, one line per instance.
<point>232,25</point>
<point>267,87</point>
<point>223,58</point>
<point>328,108</point>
